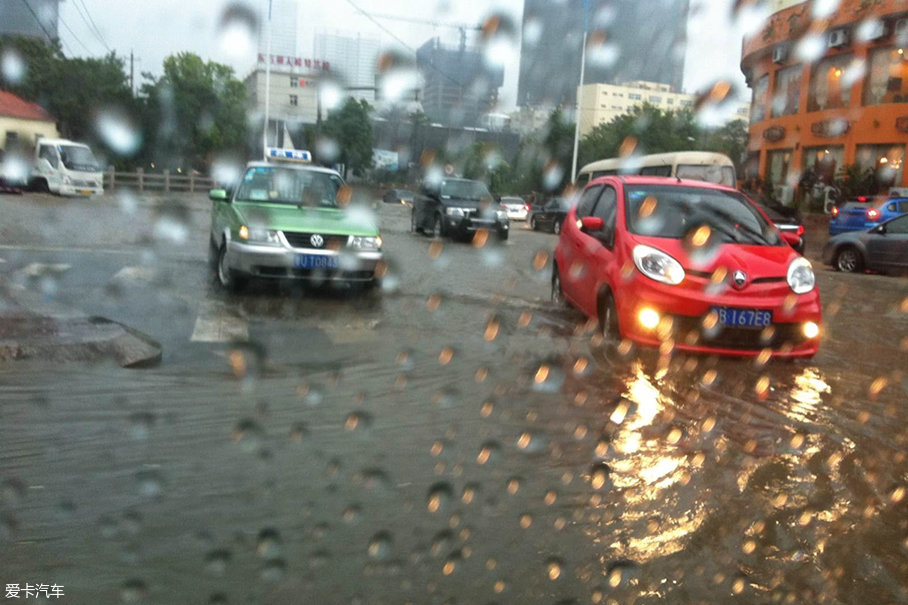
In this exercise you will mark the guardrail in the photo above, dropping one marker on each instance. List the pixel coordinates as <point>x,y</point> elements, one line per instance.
<point>156,181</point>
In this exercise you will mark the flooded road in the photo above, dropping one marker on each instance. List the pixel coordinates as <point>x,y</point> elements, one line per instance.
<point>452,440</point>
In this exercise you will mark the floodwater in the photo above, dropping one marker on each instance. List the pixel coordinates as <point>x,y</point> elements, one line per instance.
<point>455,440</point>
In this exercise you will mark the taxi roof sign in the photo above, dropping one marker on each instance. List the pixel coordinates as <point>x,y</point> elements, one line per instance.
<point>279,154</point>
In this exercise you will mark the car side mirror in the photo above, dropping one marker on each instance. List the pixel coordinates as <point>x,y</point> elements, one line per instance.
<point>591,224</point>
<point>881,229</point>
<point>218,195</point>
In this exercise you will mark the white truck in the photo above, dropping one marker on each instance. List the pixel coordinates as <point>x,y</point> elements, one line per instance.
<point>65,167</point>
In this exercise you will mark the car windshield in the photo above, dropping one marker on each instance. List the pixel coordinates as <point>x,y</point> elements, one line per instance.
<point>464,190</point>
<point>300,187</point>
<point>511,200</point>
<point>721,175</point>
<point>674,212</point>
<point>76,157</point>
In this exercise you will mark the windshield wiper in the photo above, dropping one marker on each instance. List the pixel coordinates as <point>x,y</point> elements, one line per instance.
<point>760,237</point>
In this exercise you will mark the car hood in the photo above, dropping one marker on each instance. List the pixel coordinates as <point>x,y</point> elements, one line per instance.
<point>756,261</point>
<point>285,217</point>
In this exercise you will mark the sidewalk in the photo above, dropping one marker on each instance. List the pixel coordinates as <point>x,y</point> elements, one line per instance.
<point>34,328</point>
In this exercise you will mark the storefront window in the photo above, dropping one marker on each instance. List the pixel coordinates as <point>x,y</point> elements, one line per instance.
<point>887,161</point>
<point>779,163</point>
<point>830,84</point>
<point>822,162</point>
<point>760,100</point>
<point>887,77</point>
<point>785,100</point>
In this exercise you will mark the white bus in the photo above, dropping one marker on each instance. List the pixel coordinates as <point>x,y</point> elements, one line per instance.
<point>696,165</point>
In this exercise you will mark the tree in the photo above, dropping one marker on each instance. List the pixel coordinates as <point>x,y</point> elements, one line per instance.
<point>351,129</point>
<point>195,110</point>
<point>558,146</point>
<point>74,91</point>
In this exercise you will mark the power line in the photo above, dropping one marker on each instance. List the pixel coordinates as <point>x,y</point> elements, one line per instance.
<point>90,23</point>
<point>38,20</point>
<point>401,42</point>
<point>73,34</point>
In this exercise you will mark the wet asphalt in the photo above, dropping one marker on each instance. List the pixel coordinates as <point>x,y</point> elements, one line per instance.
<point>452,439</point>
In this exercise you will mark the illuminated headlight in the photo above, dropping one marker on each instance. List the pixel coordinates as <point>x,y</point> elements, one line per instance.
<point>365,243</point>
<point>648,318</point>
<point>455,212</point>
<point>811,329</point>
<point>658,265</point>
<point>800,276</point>
<point>259,236</point>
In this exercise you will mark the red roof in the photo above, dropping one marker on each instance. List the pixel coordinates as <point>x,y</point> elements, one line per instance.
<point>14,107</point>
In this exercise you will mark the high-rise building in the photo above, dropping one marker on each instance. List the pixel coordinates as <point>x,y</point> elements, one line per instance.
<point>353,60</point>
<point>32,18</point>
<point>283,24</point>
<point>628,41</point>
<point>460,86</point>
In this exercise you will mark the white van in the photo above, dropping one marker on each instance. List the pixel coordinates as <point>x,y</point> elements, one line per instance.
<point>66,168</point>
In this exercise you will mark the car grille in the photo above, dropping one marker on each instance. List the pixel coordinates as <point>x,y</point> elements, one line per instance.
<point>312,274</point>
<point>304,240</point>
<point>689,330</point>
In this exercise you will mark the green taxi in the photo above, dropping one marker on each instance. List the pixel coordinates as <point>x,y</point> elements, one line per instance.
<point>288,219</point>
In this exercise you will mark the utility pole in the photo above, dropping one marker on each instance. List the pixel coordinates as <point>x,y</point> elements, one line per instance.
<point>586,26</point>
<point>132,73</point>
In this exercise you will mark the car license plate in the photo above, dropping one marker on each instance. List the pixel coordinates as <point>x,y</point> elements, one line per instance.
<point>743,318</point>
<point>85,191</point>
<point>314,261</point>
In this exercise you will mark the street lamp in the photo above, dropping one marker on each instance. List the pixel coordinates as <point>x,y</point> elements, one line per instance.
<point>586,23</point>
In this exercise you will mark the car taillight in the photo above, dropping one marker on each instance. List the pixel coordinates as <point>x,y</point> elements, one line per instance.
<point>873,214</point>
<point>862,198</point>
<point>800,230</point>
<point>835,211</point>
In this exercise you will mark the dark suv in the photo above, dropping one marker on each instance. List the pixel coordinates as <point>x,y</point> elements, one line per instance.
<point>457,208</point>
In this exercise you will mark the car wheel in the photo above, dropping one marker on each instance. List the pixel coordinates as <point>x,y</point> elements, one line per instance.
<point>557,292</point>
<point>849,259</point>
<point>556,228</point>
<point>40,185</point>
<point>503,236</point>
<point>414,228</point>
<point>226,277</point>
<point>438,230</point>
<point>213,254</point>
<point>533,223</point>
<point>608,319</point>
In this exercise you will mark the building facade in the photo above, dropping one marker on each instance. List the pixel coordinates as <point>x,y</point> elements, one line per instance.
<point>459,86</point>
<point>353,60</point>
<point>629,40</point>
<point>292,101</point>
<point>601,103</point>
<point>849,106</point>
<point>32,18</point>
<point>22,123</point>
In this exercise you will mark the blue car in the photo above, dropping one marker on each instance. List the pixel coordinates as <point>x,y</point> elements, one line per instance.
<point>866,213</point>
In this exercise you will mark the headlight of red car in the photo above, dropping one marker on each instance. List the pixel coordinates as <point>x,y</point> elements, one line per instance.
<point>657,265</point>
<point>800,276</point>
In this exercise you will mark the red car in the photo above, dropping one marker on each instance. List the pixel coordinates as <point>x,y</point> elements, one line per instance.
<point>692,264</point>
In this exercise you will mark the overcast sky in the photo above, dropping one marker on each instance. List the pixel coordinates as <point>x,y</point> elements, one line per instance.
<point>154,30</point>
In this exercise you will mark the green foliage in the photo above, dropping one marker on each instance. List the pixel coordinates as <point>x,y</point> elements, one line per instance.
<point>647,129</point>
<point>351,128</point>
<point>195,110</point>
<point>854,180</point>
<point>71,90</point>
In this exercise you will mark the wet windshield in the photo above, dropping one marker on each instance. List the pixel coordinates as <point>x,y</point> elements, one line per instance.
<point>76,157</point>
<point>236,369</point>
<point>674,212</point>
<point>464,190</point>
<point>289,186</point>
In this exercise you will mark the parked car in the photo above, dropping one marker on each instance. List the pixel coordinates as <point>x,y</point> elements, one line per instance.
<point>283,221</point>
<point>786,219</point>
<point>398,196</point>
<point>865,212</point>
<point>458,208</point>
<point>551,215</point>
<point>515,207</point>
<point>689,265</point>
<point>883,248</point>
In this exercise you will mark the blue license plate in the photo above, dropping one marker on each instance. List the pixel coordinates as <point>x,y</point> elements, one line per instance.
<point>743,318</point>
<point>314,261</point>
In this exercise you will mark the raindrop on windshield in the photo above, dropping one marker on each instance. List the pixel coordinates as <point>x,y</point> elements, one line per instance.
<point>118,130</point>
<point>12,67</point>
<point>237,31</point>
